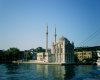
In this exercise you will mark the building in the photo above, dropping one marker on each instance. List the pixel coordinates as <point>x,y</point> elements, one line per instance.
<point>44,56</point>
<point>63,51</point>
<point>82,55</point>
<point>98,59</point>
<point>40,57</point>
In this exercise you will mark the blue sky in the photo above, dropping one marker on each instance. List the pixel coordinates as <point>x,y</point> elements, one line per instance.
<point>23,22</point>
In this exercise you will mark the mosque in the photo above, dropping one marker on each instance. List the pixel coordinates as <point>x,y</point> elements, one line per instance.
<point>62,51</point>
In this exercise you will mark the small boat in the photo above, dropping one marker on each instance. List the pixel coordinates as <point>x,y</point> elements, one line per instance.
<point>98,61</point>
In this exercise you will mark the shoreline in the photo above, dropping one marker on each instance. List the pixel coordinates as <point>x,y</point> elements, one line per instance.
<point>33,62</point>
<point>43,63</point>
<point>51,63</point>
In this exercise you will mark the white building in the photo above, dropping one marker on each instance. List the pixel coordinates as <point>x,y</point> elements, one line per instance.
<point>40,57</point>
<point>98,60</point>
<point>63,51</point>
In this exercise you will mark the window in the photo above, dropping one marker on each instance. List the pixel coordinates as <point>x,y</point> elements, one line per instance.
<point>84,53</point>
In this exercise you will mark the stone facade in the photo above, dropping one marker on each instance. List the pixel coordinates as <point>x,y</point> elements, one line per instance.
<point>44,57</point>
<point>63,51</point>
<point>40,57</point>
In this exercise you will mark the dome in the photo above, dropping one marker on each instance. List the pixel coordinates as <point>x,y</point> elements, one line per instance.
<point>63,38</point>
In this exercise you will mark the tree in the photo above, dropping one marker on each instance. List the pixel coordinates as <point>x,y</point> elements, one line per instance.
<point>76,58</point>
<point>12,54</point>
<point>27,55</point>
<point>40,49</point>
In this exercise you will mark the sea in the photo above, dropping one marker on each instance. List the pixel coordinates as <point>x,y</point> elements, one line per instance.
<point>49,72</point>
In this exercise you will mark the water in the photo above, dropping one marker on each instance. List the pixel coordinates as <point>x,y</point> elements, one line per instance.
<point>48,72</point>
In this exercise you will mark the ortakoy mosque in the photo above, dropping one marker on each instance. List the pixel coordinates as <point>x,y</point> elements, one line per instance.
<point>62,51</point>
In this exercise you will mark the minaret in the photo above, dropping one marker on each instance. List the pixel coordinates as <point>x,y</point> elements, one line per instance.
<point>55,35</point>
<point>56,55</point>
<point>47,39</point>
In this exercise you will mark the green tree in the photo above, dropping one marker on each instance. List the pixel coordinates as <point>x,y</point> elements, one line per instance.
<point>76,58</point>
<point>27,55</point>
<point>12,54</point>
<point>39,49</point>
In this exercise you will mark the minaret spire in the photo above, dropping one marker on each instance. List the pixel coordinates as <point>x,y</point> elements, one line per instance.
<point>47,38</point>
<point>55,35</point>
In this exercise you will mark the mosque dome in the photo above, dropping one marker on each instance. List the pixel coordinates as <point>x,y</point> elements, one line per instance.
<point>63,38</point>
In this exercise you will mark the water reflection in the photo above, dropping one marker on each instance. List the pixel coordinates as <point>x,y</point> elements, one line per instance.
<point>96,72</point>
<point>69,72</point>
<point>86,72</point>
<point>48,72</point>
<point>11,68</point>
<point>42,70</point>
<point>98,67</point>
<point>19,71</point>
<point>55,72</point>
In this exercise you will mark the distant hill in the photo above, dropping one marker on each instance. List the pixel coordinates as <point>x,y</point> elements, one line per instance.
<point>94,48</point>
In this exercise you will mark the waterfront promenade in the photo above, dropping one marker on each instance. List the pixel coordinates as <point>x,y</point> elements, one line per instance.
<point>36,62</point>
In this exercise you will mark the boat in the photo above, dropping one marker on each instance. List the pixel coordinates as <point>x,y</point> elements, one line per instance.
<point>98,60</point>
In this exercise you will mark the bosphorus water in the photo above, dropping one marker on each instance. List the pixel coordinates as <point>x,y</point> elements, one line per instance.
<point>49,72</point>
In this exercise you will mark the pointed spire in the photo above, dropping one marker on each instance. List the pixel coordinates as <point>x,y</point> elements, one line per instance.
<point>55,35</point>
<point>47,38</point>
<point>47,30</point>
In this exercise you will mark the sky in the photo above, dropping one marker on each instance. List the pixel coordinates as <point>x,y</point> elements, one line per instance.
<point>23,22</point>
